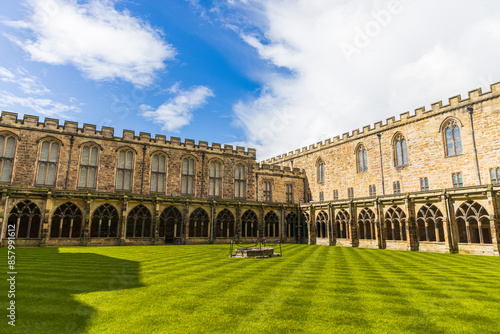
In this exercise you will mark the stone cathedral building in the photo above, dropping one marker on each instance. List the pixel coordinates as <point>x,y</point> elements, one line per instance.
<point>429,181</point>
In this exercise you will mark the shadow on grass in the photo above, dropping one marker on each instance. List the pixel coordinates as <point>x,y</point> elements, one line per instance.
<point>47,281</point>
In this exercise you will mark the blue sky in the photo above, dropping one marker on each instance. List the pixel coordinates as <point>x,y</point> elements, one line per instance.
<point>274,75</point>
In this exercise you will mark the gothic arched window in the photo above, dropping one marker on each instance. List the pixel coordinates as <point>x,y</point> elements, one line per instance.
<point>215,178</point>
<point>7,147</point>
<point>362,159</point>
<point>187,176</point>
<point>239,181</point>
<point>47,163</point>
<point>451,130</point>
<point>104,222</point>
<point>125,170</point>
<point>88,166</point>
<point>158,173</point>
<point>400,151</point>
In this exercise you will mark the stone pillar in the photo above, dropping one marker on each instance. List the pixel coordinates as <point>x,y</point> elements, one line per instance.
<point>494,212</point>
<point>156,223</point>
<point>45,236</point>
<point>379,221</point>
<point>237,228</point>
<point>449,236</point>
<point>331,234</point>
<point>211,229</point>
<point>353,225</point>
<point>334,226</point>
<point>260,230</point>
<point>5,218</point>
<point>282,224</point>
<point>123,221</point>
<point>312,226</point>
<point>84,240</point>
<point>411,226</point>
<point>185,223</point>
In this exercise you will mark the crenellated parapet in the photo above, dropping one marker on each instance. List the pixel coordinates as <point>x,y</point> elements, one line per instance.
<point>456,102</point>
<point>10,119</point>
<point>279,170</point>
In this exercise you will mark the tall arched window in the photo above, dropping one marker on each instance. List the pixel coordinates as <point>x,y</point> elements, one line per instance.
<point>158,173</point>
<point>400,151</point>
<point>47,163</point>
<point>7,147</point>
<point>451,130</point>
<point>215,179</point>
<point>291,225</point>
<point>321,223</point>
<point>249,224</point>
<point>225,224</point>
<point>320,170</point>
<point>362,159</point>
<point>239,181</point>
<point>198,223</point>
<point>271,225</point>
<point>125,170</point>
<point>187,177</point>
<point>395,220</point>
<point>342,220</point>
<point>170,224</point>
<point>88,167</point>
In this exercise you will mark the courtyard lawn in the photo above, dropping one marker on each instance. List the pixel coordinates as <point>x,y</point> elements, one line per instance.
<point>199,289</point>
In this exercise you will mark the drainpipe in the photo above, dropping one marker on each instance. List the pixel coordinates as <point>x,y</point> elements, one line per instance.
<point>471,110</point>
<point>143,166</point>
<point>202,172</point>
<point>381,167</point>
<point>71,141</point>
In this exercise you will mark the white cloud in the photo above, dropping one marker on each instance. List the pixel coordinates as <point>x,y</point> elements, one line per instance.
<point>39,106</point>
<point>28,84</point>
<point>178,110</point>
<point>401,55</point>
<point>99,40</point>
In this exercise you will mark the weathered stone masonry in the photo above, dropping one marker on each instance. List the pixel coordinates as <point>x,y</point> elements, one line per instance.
<point>437,192</point>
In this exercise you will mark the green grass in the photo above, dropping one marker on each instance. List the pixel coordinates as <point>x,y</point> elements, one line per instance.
<point>198,289</point>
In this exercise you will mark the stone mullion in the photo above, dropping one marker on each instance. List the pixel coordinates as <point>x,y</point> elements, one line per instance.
<point>260,224</point>
<point>237,228</point>
<point>447,227</point>
<point>86,224</point>
<point>123,220</point>
<point>45,237</point>
<point>185,223</point>
<point>156,223</point>
<point>312,226</point>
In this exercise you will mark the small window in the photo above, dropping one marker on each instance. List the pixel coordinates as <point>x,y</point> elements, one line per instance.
<point>88,167</point>
<point>495,175</point>
<point>350,193</point>
<point>158,173</point>
<point>397,187</point>
<point>400,151</point>
<point>239,181</point>
<point>215,179</point>
<point>321,171</point>
<point>187,176</point>
<point>7,147</point>
<point>47,163</point>
<point>362,159</point>
<point>267,191</point>
<point>452,138</point>
<point>424,184</point>
<point>289,193</point>
<point>125,170</point>
<point>373,190</point>
<point>321,196</point>
<point>335,195</point>
<point>457,180</point>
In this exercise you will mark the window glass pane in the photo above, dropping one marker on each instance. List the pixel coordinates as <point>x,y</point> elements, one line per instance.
<point>460,181</point>
<point>449,142</point>
<point>154,167</point>
<point>44,152</point>
<point>128,179</point>
<point>405,153</point>
<point>7,166</point>
<point>161,168</point>
<point>237,172</point>
<point>93,156</point>
<point>217,187</point>
<point>212,169</point>
<point>191,167</point>
<point>211,187</point>
<point>185,166</point>
<point>426,183</point>
<point>184,185</point>
<point>161,182</point>
<point>129,161</point>
<point>9,149</point>
<point>53,152</point>
<point>51,175</point>
<point>498,175</point>
<point>217,169</point>
<point>458,140</point>
<point>83,177</point>
<point>121,159</point>
<point>493,175</point>
<point>374,190</point>
<point>237,189</point>
<point>454,179</point>
<point>154,182</point>
<point>85,155</point>
<point>2,142</point>
<point>360,161</point>
<point>91,182</point>
<point>365,160</point>
<point>398,153</point>
<point>190,186</point>
<point>42,169</point>
<point>119,180</point>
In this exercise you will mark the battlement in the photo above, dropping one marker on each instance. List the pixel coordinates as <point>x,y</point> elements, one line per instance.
<point>90,130</point>
<point>455,102</point>
<point>281,170</point>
